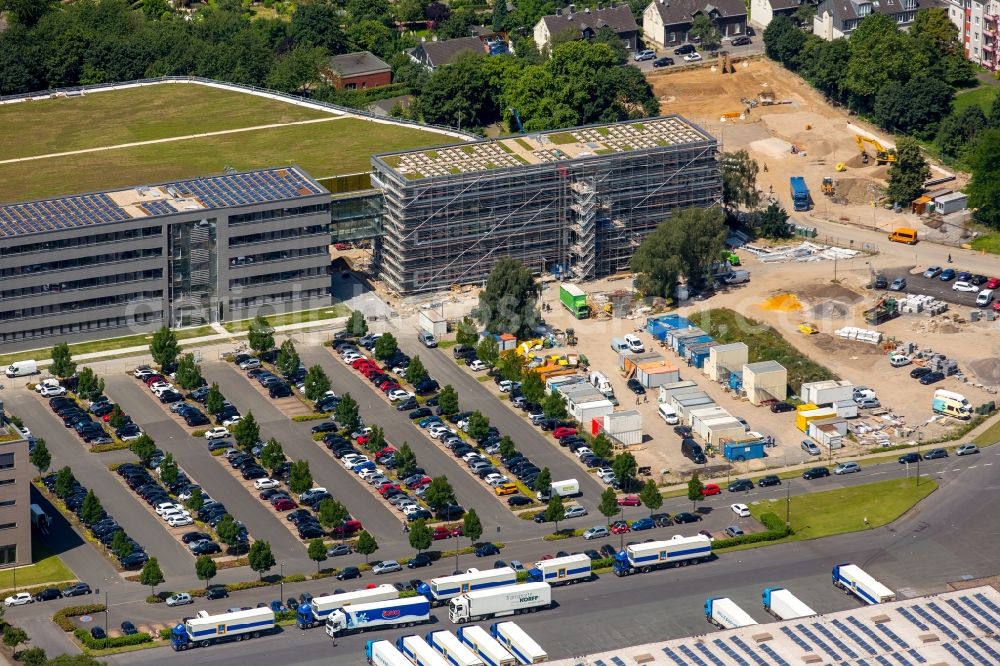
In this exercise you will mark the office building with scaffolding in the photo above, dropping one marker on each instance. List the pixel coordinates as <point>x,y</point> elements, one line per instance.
<point>575,202</point>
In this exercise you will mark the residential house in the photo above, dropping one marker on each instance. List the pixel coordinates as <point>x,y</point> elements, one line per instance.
<point>585,24</point>
<point>977,30</point>
<point>667,22</point>
<point>762,11</point>
<point>839,18</point>
<point>434,54</point>
<point>356,71</point>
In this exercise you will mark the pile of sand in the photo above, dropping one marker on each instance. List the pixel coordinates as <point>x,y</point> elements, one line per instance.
<point>832,291</point>
<point>987,369</point>
<point>854,190</point>
<point>782,303</point>
<point>831,309</point>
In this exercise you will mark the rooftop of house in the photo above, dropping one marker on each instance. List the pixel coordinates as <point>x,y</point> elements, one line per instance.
<point>360,62</point>
<point>679,12</point>
<point>619,19</point>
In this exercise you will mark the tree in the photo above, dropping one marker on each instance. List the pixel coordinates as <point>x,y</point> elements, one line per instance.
<point>739,180</point>
<point>420,535</point>
<point>958,132</point>
<point>439,493</point>
<point>91,511</point>
<point>914,107</point>
<point>488,350</point>
<point>804,15</point>
<point>386,346</point>
<point>144,447</point>
<point>300,478</point>
<point>261,335</point>
<point>467,334</point>
<point>214,401</point>
<point>773,222</point>
<point>625,467</point>
<point>908,173</point>
<point>511,365</point>
<point>686,244</point>
<point>472,527</point>
<point>317,552</point>
<point>297,70</point>
<point>934,27</point>
<point>205,569</point>
<point>247,432</point>
<point>507,448</point>
<point>532,386</point>
<point>703,28</point>
<point>27,12</point>
<point>878,40</point>
<point>606,35</point>
<point>783,41</point>
<point>479,426</point>
<point>40,456</point>
<point>120,545</point>
<point>376,440</point>
<point>825,65</point>
<point>984,188</point>
<point>151,574</point>
<point>448,400</point>
<point>14,636</point>
<point>318,24</point>
<point>331,513</point>
<point>65,482</point>
<point>696,490</point>
<point>609,504</point>
<point>317,383</point>
<point>416,372</point>
<point>288,359</point>
<point>406,461</point>
<point>508,303</point>
<point>356,324</point>
<point>168,469</point>
<point>196,500</point>
<point>346,413</point>
<point>188,372</point>
<point>164,348</point>
<point>62,361</point>
<point>601,446</point>
<point>116,419</point>
<point>88,385</point>
<point>228,531</point>
<point>272,456</point>
<point>260,557</point>
<point>555,511</point>
<point>543,481</point>
<point>650,496</point>
<point>34,657</point>
<point>553,406</point>
<point>366,544</point>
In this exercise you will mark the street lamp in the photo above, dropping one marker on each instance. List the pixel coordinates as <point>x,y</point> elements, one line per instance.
<point>788,506</point>
<point>107,611</point>
<point>920,439</point>
<point>281,580</point>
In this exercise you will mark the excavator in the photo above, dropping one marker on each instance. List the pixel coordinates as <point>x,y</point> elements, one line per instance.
<point>883,155</point>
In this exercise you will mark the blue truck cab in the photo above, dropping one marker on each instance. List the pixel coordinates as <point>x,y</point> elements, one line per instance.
<point>800,193</point>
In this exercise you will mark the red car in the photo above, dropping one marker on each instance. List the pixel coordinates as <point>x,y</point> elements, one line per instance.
<point>458,530</point>
<point>342,246</point>
<point>387,386</point>
<point>620,527</point>
<point>711,489</point>
<point>153,379</point>
<point>419,482</point>
<point>629,500</point>
<point>546,557</point>
<point>384,452</point>
<point>386,487</point>
<point>358,362</point>
<point>440,532</point>
<point>348,528</point>
<point>996,306</point>
<point>563,431</point>
<point>992,283</point>
<point>362,440</point>
<point>285,504</point>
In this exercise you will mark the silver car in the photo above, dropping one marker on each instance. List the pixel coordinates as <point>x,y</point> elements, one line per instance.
<point>847,468</point>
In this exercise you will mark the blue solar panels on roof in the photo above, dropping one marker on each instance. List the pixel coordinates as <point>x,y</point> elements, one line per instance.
<point>914,621</point>
<point>854,637</point>
<point>936,622</point>
<point>979,610</point>
<point>797,639</point>
<point>901,658</point>
<point>692,656</point>
<point>617,661</point>
<point>708,653</point>
<point>775,657</point>
<point>916,655</point>
<point>866,630</point>
<point>893,635</point>
<point>673,655</point>
<point>730,652</point>
<point>962,659</point>
<point>746,648</point>
<point>836,641</point>
<point>816,639</point>
<point>988,649</point>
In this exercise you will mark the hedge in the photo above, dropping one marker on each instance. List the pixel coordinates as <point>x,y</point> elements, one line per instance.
<point>62,617</point>
<point>198,433</point>
<point>90,642</point>
<point>295,578</point>
<point>165,633</point>
<point>311,417</point>
<point>38,588</point>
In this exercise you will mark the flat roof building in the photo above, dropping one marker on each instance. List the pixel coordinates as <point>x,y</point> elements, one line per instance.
<point>15,496</point>
<point>182,253</point>
<point>578,201</point>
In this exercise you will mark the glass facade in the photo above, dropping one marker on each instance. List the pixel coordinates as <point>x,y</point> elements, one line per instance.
<point>193,273</point>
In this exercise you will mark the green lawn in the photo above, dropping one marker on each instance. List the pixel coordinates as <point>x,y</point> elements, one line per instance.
<point>46,569</point>
<point>106,344</point>
<point>983,96</point>
<point>832,512</point>
<point>135,114</point>
<point>331,312</point>
<point>323,149</point>
<point>989,436</point>
<point>988,243</point>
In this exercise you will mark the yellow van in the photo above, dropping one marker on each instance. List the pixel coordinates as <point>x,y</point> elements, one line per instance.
<point>904,235</point>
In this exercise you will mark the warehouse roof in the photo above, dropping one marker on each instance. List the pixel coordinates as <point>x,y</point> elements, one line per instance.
<point>539,148</point>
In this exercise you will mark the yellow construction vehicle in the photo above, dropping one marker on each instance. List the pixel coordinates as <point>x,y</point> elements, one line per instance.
<point>808,328</point>
<point>828,186</point>
<point>883,155</point>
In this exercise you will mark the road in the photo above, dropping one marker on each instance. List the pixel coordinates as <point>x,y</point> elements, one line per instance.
<point>952,537</point>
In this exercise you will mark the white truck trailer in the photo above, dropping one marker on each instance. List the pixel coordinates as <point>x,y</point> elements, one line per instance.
<point>440,590</point>
<point>784,605</point>
<point>677,551</point>
<point>384,653</point>
<point>316,611</point>
<point>484,645</point>
<point>852,579</point>
<point>518,643</point>
<point>378,615</point>
<point>416,649</point>
<point>453,650</point>
<point>561,570</point>
<point>507,600</point>
<point>725,614</point>
<point>203,629</point>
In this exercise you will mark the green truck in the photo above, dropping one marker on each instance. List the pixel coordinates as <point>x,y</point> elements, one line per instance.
<point>575,300</point>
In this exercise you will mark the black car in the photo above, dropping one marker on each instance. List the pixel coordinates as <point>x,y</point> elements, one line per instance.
<point>348,573</point>
<point>636,387</point>
<point>462,351</point>
<point>740,485</point>
<point>419,413</point>
<point>486,549</point>
<point>419,514</point>
<point>607,550</point>
<point>216,592</point>
<point>518,500</point>
<point>662,519</point>
<point>934,454</point>
<point>297,515</point>
<point>421,560</point>
<point>743,40</point>
<point>254,472</point>
<point>128,629</point>
<point>311,531</point>
<point>917,373</point>
<point>191,537</point>
<point>206,548</point>
<point>684,49</point>
<point>911,457</point>
<point>880,282</point>
<point>325,426</point>
<point>76,590</point>
<point>134,560</point>
<point>408,404</point>
<point>665,61</point>
<point>815,473</point>
<point>682,431</point>
<point>686,517</point>
<point>931,378</point>
<point>769,480</point>
<point>98,634</point>
<point>781,407</point>
<point>48,594</point>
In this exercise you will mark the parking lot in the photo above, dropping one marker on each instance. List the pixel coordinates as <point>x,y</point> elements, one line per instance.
<point>943,290</point>
<point>755,47</point>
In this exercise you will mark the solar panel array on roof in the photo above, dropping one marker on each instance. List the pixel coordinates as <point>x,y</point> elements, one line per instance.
<point>988,649</point>
<point>854,637</point>
<point>916,655</point>
<point>746,648</point>
<point>948,618</point>
<point>901,658</point>
<point>711,656</point>
<point>893,635</point>
<point>836,641</point>
<point>158,207</point>
<point>41,216</point>
<point>775,657</point>
<point>914,621</point>
<point>962,659</point>
<point>936,622</point>
<point>673,655</point>
<point>796,639</point>
<point>817,640</point>
<point>729,652</point>
<point>867,631</point>
<point>689,653</point>
<point>982,613</point>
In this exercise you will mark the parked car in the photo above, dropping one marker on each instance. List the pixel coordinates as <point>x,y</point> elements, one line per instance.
<point>899,284</point>
<point>642,524</point>
<point>740,485</point>
<point>597,532</point>
<point>18,599</point>
<point>711,489</point>
<point>647,54</point>
<point>486,549</point>
<point>665,61</point>
<point>847,468</point>
<point>347,573</point>
<point>782,407</point>
<point>692,57</point>
<point>48,594</point>
<point>733,531</point>
<point>815,473</point>
<point>179,599</point>
<point>947,274</point>
<point>629,500</point>
<point>684,49</point>
<point>686,517</point>
<point>908,458</point>
<point>966,450</point>
<point>810,447</point>
<point>741,510</point>
<point>769,480</point>
<point>128,629</point>
<point>742,40</point>
<point>386,566</point>
<point>76,590</point>
<point>934,454</point>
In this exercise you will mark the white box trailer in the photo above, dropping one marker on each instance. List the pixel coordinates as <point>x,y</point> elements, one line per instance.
<point>203,629</point>
<point>419,652</point>
<point>433,323</point>
<point>564,488</point>
<point>384,653</point>
<point>676,551</point>
<point>453,649</point>
<point>507,600</point>
<point>852,579</point>
<point>484,645</point>
<point>378,615</point>
<point>562,570</point>
<point>440,590</point>
<point>316,611</point>
<point>725,614</point>
<point>518,642</point>
<point>784,605</point>
<point>827,392</point>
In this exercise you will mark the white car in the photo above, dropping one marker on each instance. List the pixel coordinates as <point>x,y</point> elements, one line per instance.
<point>506,386</point>
<point>741,510</point>
<point>18,599</point>
<point>368,473</point>
<point>958,286</point>
<point>264,484</point>
<point>582,451</point>
<point>692,57</point>
<point>495,479</point>
<point>232,420</point>
<point>166,506</point>
<point>351,357</point>
<point>575,511</point>
<point>477,366</point>
<point>351,461</point>
<point>159,386</point>
<point>410,508</point>
<point>399,394</point>
<point>180,521</point>
<point>52,391</point>
<point>387,566</point>
<point>51,382</point>
<point>175,511</point>
<point>405,504</point>
<point>361,432</point>
<point>217,432</point>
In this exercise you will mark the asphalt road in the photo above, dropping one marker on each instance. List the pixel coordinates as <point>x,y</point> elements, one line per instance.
<point>953,536</point>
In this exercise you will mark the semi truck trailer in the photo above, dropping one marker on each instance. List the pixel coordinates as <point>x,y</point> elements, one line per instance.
<point>203,629</point>
<point>439,590</point>
<point>784,605</point>
<point>377,615</point>
<point>484,645</point>
<point>561,570</point>
<point>316,611</point>
<point>518,643</point>
<point>678,551</point>
<point>453,650</point>
<point>508,600</point>
<point>416,649</point>
<point>725,614</point>
<point>384,653</point>
<point>852,579</point>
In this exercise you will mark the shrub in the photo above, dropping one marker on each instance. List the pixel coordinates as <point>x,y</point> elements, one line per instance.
<point>154,599</point>
<point>522,576</point>
<point>406,594</point>
<point>284,616</point>
<point>295,578</point>
<point>198,433</point>
<point>61,617</point>
<point>165,633</point>
<point>758,537</point>
<point>772,522</point>
<point>91,643</point>
<point>311,417</point>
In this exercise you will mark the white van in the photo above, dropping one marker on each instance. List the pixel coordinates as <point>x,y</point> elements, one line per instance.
<point>601,383</point>
<point>984,298</point>
<point>668,414</point>
<point>22,369</point>
<point>619,345</point>
<point>634,344</point>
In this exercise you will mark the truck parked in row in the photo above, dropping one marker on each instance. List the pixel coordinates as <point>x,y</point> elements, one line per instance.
<point>416,649</point>
<point>677,551</point>
<point>439,590</point>
<point>384,653</point>
<point>316,611</point>
<point>378,615</point>
<point>485,646</point>
<point>497,602</point>
<point>725,614</point>
<point>203,629</point>
<point>852,579</point>
<point>561,570</point>
<point>453,650</point>
<point>564,488</point>
<point>784,605</point>
<point>518,643</point>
